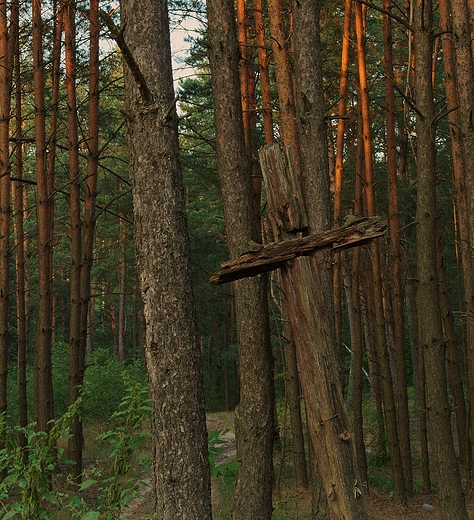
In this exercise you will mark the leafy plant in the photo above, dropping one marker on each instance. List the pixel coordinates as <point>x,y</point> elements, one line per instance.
<point>215,446</point>
<point>30,468</point>
<point>27,490</point>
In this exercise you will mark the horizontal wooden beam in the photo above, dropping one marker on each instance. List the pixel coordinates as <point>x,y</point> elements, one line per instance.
<point>264,258</point>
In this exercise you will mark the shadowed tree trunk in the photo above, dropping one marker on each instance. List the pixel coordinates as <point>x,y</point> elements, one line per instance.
<point>43,386</point>
<point>432,342</point>
<point>76,353</point>
<point>255,411</point>
<point>395,258</point>
<point>180,464</point>
<point>5,198</point>
<point>18,194</point>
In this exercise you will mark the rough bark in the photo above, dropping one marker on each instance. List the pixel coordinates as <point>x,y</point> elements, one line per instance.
<point>432,342</point>
<point>88,226</point>
<point>311,325</point>
<point>180,465</point>
<point>272,256</point>
<point>283,76</point>
<point>255,411</point>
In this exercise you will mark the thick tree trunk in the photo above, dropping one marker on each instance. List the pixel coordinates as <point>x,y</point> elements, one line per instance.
<point>255,412</point>
<point>432,341</point>
<point>180,465</point>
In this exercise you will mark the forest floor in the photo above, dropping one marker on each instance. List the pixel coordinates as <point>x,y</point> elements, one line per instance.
<point>295,503</point>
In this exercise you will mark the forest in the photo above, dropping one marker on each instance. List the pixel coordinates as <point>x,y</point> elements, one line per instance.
<point>271,236</point>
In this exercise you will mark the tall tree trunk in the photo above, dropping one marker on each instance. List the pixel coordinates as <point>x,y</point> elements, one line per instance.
<point>464,135</point>
<point>255,411</point>
<point>76,354</point>
<point>22,325</point>
<point>87,303</point>
<point>5,199</point>
<point>180,464</point>
<point>339,166</point>
<point>43,387</point>
<point>395,258</point>
<point>432,341</point>
<point>380,337</point>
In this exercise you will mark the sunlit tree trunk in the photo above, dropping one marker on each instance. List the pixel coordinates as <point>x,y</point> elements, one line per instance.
<point>43,389</point>
<point>432,342</point>
<point>380,338</point>
<point>339,165</point>
<point>255,411</point>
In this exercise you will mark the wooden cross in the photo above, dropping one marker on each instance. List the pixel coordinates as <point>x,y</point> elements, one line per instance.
<point>310,317</point>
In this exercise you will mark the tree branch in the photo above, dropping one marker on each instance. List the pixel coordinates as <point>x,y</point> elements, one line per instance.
<point>117,35</point>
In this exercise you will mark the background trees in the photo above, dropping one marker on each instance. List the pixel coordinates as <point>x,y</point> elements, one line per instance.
<point>386,142</point>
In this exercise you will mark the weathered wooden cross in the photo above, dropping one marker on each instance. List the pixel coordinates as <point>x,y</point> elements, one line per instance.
<point>299,259</point>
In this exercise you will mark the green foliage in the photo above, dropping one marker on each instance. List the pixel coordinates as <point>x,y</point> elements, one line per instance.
<point>105,383</point>
<point>28,491</point>
<point>215,446</point>
<point>30,468</point>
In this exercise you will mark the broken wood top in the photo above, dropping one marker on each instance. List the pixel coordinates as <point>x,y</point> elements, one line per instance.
<point>264,258</point>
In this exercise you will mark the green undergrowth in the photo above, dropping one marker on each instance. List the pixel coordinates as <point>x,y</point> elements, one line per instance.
<point>37,486</point>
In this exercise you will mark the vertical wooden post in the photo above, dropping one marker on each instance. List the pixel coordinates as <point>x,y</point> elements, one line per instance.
<point>328,422</point>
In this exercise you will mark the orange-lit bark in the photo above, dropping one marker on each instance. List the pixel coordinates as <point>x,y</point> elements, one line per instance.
<point>264,71</point>
<point>369,202</point>
<point>283,75</point>
<point>339,164</point>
